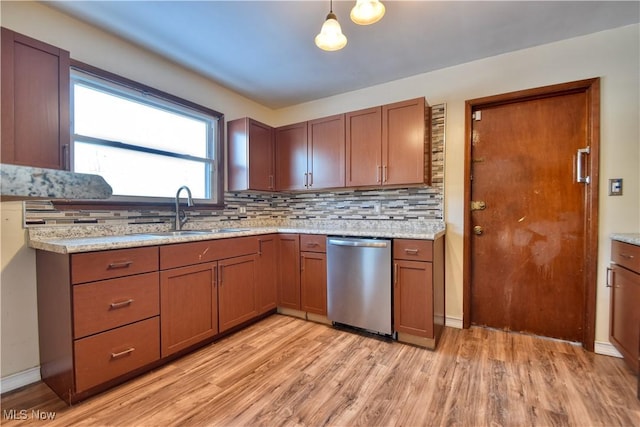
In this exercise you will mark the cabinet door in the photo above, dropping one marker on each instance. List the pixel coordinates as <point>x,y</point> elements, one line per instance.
<point>237,297</point>
<point>267,277</point>
<point>291,157</point>
<point>403,143</point>
<point>413,298</point>
<point>363,147</point>
<point>313,282</point>
<point>625,315</point>
<point>326,152</point>
<point>250,155</point>
<point>289,271</point>
<point>188,306</point>
<point>35,102</point>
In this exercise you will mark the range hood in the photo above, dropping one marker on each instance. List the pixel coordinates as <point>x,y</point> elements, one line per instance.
<point>27,183</point>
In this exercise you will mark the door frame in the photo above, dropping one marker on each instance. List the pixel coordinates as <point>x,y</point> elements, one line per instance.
<point>592,89</point>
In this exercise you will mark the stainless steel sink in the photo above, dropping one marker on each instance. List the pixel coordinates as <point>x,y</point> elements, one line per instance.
<point>231,230</point>
<point>178,233</point>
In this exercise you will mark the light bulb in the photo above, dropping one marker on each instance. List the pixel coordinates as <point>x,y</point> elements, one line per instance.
<point>367,12</point>
<point>331,37</point>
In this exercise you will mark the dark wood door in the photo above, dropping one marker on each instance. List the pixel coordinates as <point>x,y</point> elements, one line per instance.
<point>364,147</point>
<point>237,296</point>
<point>403,142</point>
<point>289,271</point>
<point>35,102</point>
<point>313,282</point>
<point>325,162</point>
<point>188,306</point>
<point>291,157</point>
<point>530,255</point>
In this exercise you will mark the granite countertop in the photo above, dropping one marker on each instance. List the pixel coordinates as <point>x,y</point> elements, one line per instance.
<point>631,238</point>
<point>25,182</point>
<point>48,241</point>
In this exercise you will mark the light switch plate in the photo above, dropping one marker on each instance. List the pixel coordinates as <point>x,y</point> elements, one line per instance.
<point>615,187</point>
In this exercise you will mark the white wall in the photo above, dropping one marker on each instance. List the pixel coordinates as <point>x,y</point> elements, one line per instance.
<point>612,55</point>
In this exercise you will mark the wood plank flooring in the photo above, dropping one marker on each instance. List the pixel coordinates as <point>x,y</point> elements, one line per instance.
<point>285,371</point>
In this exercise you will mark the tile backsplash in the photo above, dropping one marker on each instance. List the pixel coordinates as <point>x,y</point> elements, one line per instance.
<point>423,203</point>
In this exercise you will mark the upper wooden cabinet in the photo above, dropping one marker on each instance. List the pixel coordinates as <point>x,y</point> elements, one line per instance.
<point>388,145</point>
<point>310,155</point>
<point>35,102</point>
<point>251,155</point>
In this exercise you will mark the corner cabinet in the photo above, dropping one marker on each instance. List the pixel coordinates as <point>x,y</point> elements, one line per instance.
<point>35,102</point>
<point>250,155</point>
<point>624,280</point>
<point>418,286</point>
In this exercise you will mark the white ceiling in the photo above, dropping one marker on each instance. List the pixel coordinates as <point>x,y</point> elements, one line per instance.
<point>265,51</point>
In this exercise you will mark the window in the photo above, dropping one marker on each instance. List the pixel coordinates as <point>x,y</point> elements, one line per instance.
<point>144,143</point>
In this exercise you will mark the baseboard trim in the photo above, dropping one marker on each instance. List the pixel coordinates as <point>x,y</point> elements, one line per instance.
<point>19,379</point>
<point>606,348</point>
<point>453,322</point>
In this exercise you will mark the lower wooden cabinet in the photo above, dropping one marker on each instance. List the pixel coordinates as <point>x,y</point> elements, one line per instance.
<point>237,296</point>
<point>418,287</point>
<point>188,306</point>
<point>313,274</point>
<point>624,279</point>
<point>289,271</point>
<point>267,273</point>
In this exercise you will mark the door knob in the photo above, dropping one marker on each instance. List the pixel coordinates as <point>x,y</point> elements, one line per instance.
<point>478,230</point>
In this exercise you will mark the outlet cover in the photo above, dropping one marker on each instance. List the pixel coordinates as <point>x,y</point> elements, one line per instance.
<point>615,187</point>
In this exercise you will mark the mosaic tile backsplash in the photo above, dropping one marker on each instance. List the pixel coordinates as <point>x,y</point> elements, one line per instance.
<point>400,204</point>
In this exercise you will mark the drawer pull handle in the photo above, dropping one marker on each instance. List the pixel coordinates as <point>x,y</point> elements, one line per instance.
<point>121,264</point>
<point>312,244</point>
<point>627,256</point>
<point>610,277</point>
<point>121,304</point>
<point>411,251</point>
<point>122,353</point>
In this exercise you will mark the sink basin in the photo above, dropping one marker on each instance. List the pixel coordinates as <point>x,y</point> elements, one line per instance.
<point>178,233</point>
<point>231,230</point>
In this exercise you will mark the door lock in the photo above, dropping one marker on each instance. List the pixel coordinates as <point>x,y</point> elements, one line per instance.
<point>478,230</point>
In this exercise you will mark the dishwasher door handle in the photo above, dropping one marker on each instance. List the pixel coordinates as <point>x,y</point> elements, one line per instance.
<point>358,244</point>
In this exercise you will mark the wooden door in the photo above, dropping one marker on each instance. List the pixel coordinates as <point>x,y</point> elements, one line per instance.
<point>237,291</point>
<point>533,244</point>
<point>35,102</point>
<point>403,142</point>
<point>413,298</point>
<point>251,155</point>
<point>325,162</point>
<point>188,306</point>
<point>267,276</point>
<point>291,157</point>
<point>363,147</point>
<point>313,282</point>
<point>289,271</point>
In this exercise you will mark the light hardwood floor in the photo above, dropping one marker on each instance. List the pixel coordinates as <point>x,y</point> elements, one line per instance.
<point>285,371</point>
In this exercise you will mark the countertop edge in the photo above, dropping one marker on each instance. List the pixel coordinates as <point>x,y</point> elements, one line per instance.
<point>90,244</point>
<point>631,238</point>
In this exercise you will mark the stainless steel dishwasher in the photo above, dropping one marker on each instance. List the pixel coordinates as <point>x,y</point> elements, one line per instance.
<point>359,283</point>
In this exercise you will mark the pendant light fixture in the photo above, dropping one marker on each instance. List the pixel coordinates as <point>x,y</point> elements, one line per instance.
<point>331,37</point>
<point>367,12</point>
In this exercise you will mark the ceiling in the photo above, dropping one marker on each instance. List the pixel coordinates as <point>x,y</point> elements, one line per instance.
<point>265,50</point>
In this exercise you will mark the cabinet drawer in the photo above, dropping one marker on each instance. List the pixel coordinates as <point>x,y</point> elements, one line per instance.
<point>99,306</point>
<point>183,254</point>
<point>92,266</point>
<point>626,255</point>
<point>313,243</point>
<point>416,250</point>
<point>105,356</point>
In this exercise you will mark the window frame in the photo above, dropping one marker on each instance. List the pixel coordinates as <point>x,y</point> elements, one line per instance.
<point>216,183</point>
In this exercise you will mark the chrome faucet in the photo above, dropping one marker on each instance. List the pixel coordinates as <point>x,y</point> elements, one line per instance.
<point>180,221</point>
